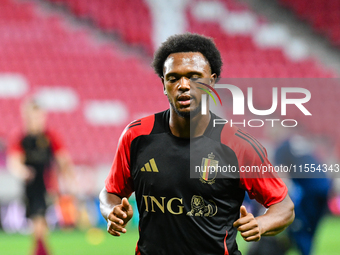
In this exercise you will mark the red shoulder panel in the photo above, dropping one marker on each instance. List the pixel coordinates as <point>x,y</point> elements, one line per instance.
<point>55,140</point>
<point>14,143</point>
<point>119,180</point>
<point>263,185</point>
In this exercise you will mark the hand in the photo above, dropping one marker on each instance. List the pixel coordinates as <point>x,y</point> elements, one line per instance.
<point>119,217</point>
<point>248,226</point>
<point>28,174</point>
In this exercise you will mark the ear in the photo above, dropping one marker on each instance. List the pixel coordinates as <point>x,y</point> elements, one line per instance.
<point>164,91</point>
<point>213,78</point>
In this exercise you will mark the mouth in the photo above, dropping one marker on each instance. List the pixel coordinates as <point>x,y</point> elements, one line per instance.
<point>184,99</point>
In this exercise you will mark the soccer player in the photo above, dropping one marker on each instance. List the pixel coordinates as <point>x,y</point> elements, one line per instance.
<point>179,214</point>
<point>30,155</point>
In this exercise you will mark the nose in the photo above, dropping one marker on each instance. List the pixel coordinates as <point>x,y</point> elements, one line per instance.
<point>184,83</point>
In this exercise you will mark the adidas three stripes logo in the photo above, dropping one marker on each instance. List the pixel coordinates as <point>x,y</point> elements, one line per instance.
<point>150,166</point>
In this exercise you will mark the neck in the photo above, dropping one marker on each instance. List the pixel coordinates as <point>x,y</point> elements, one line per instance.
<point>188,127</point>
<point>34,130</point>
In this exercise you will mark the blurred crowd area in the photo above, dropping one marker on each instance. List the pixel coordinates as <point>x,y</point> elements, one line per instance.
<point>87,63</point>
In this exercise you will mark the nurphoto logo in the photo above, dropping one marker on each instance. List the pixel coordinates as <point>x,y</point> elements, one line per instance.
<point>239,99</point>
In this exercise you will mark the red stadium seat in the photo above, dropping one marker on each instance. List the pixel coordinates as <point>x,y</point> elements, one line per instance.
<point>49,54</point>
<point>322,15</point>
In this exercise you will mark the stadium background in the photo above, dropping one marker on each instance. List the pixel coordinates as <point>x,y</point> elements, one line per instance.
<point>88,63</point>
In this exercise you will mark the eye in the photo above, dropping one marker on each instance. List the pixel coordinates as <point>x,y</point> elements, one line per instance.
<point>172,79</point>
<point>195,77</point>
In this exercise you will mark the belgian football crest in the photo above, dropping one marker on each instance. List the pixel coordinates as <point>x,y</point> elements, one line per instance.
<point>209,168</point>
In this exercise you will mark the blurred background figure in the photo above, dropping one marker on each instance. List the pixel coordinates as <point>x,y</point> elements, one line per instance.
<point>309,185</point>
<point>309,190</point>
<point>31,153</point>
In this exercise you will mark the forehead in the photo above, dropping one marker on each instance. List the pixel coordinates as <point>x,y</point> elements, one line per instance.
<point>186,62</point>
<point>32,109</point>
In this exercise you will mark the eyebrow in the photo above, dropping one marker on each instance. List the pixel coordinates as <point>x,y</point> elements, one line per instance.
<point>189,73</point>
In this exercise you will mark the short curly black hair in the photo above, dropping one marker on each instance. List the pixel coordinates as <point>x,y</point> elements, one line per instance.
<point>188,42</point>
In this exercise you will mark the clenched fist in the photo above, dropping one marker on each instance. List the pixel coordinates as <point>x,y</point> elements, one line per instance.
<point>119,217</point>
<point>248,226</point>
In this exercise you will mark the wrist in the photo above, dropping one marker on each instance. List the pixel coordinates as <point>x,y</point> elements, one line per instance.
<point>109,211</point>
<point>261,225</point>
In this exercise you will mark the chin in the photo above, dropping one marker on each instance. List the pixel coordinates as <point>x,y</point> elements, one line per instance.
<point>187,113</point>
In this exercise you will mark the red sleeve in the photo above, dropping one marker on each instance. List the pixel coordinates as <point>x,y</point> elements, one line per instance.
<point>14,144</point>
<point>56,141</point>
<point>119,181</point>
<point>266,187</point>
